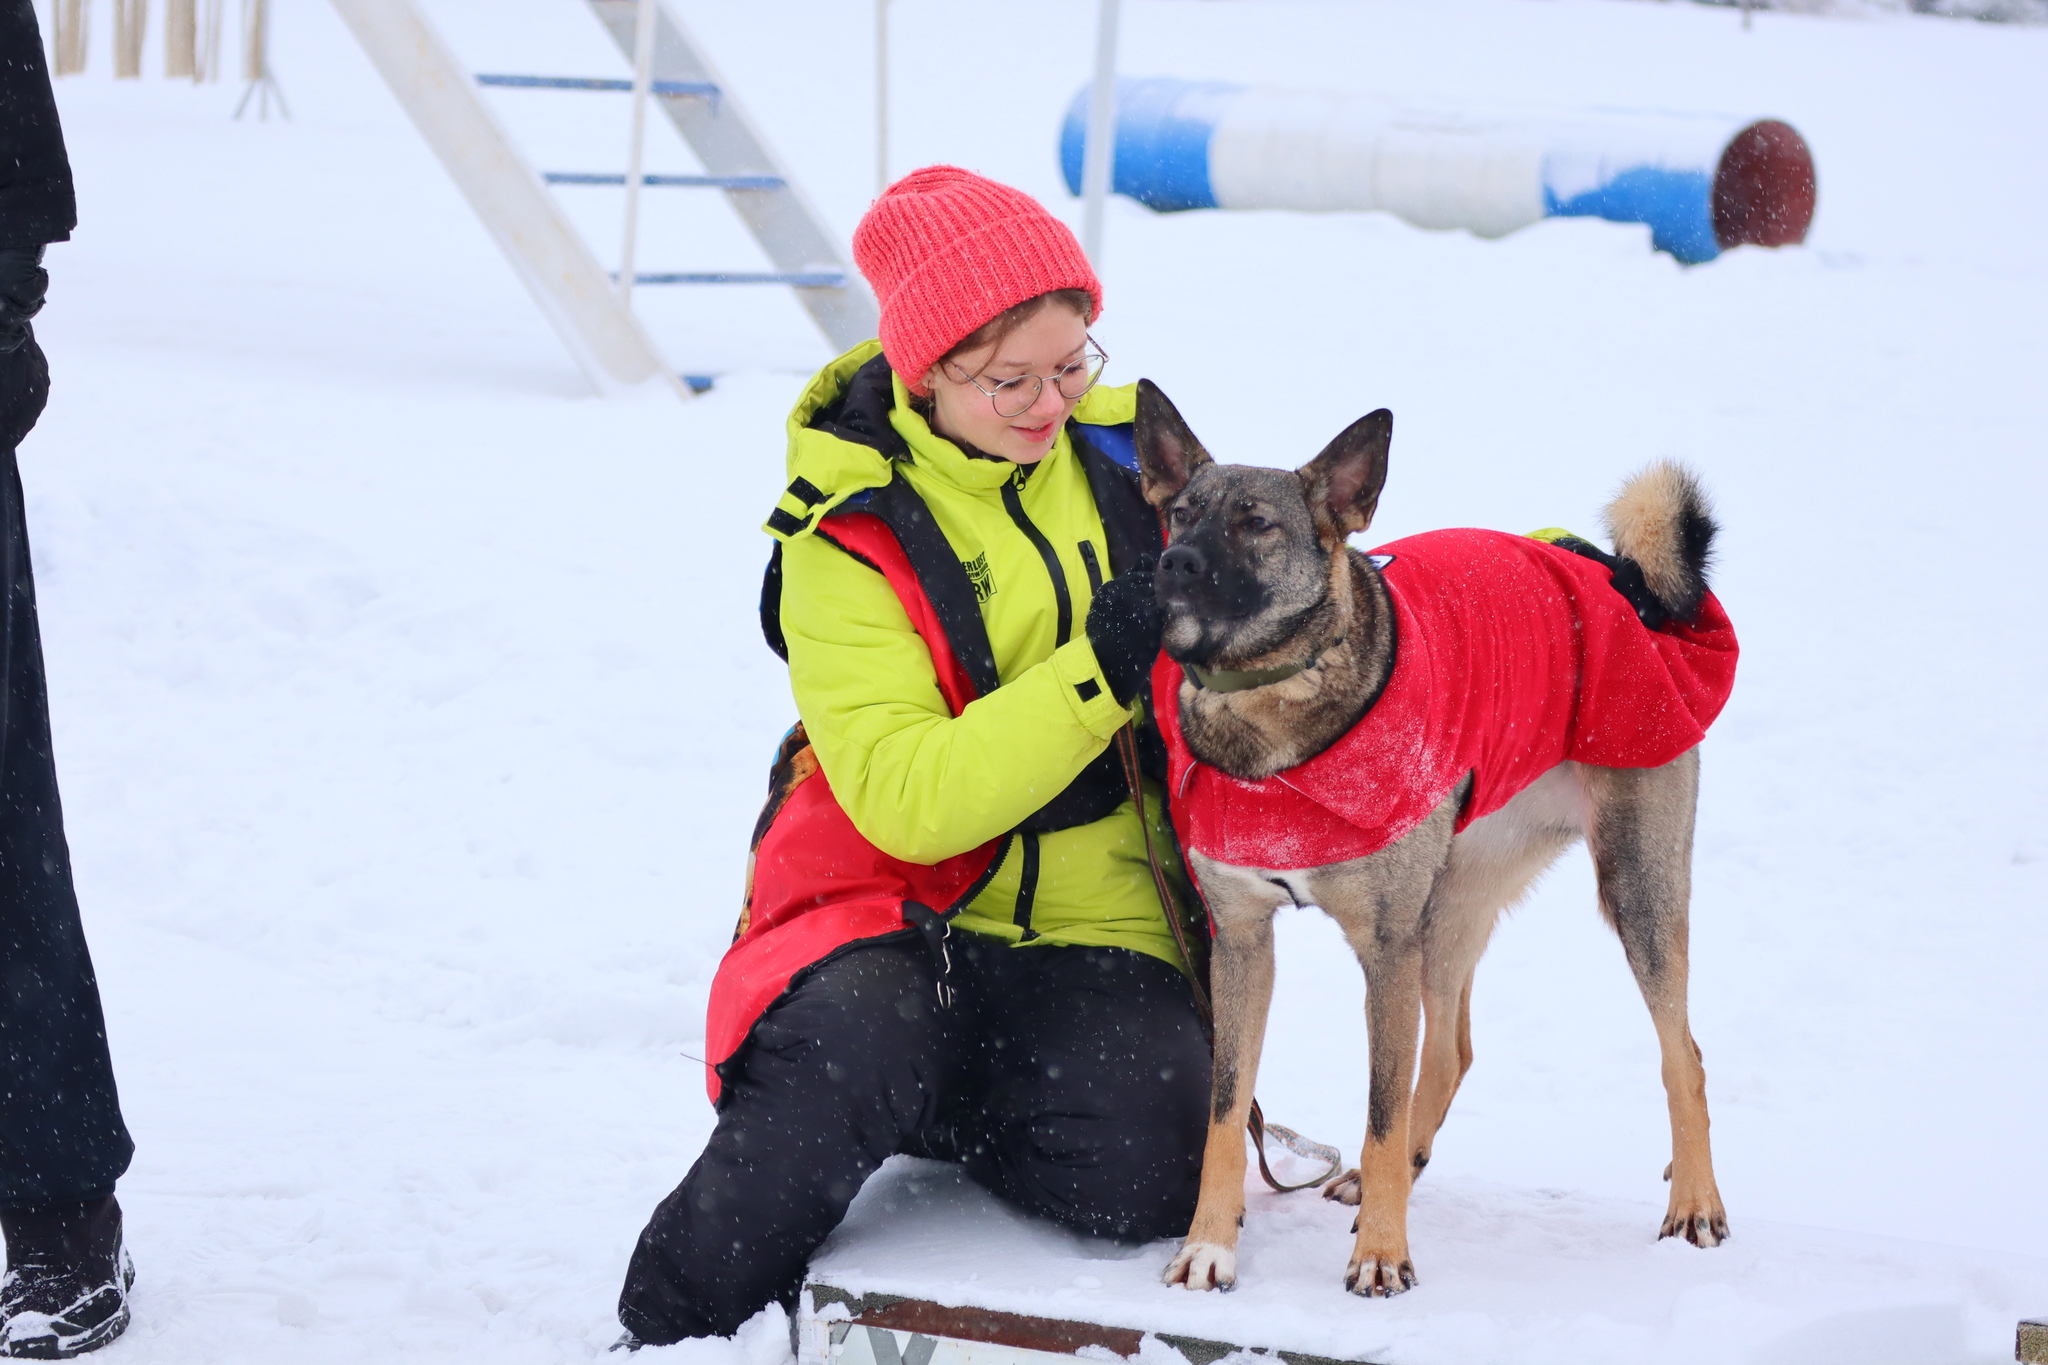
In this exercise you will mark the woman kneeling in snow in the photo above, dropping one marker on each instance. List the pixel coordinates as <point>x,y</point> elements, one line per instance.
<point>957,941</point>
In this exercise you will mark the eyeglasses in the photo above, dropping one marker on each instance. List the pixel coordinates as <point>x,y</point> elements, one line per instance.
<point>1014,397</point>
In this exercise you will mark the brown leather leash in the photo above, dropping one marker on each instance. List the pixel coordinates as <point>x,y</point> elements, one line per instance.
<point>1198,977</point>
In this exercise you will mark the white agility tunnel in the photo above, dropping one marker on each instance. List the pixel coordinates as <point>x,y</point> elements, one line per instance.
<point>1702,183</point>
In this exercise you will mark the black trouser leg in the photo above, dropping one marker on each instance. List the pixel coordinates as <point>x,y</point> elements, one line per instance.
<point>62,1138</point>
<point>1097,1090</point>
<point>835,1079</point>
<point>1071,1081</point>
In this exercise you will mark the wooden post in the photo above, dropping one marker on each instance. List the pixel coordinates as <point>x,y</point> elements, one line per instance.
<point>255,39</point>
<point>2032,1346</point>
<point>70,21</point>
<point>181,38</point>
<point>131,23</point>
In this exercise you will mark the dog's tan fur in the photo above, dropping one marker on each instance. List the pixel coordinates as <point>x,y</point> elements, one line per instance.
<point>1418,914</point>
<point>1646,522</point>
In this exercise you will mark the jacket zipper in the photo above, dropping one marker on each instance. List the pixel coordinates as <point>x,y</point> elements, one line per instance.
<point>1027,887</point>
<point>1014,505</point>
<point>1092,565</point>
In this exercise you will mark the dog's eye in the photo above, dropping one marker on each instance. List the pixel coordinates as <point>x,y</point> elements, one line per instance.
<point>1181,516</point>
<point>1257,524</point>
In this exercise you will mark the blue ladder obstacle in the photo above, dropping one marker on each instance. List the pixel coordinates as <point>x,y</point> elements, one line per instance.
<point>711,118</point>
<point>797,279</point>
<point>1702,183</point>
<point>701,89</point>
<point>707,182</point>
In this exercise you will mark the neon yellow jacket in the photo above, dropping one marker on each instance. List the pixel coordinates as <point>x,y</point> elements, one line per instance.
<point>918,782</point>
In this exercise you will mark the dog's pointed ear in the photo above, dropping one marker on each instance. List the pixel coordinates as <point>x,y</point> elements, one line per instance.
<point>1168,453</point>
<point>1343,483</point>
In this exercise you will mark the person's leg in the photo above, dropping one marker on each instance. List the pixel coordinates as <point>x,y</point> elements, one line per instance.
<point>63,1144</point>
<point>63,1139</point>
<point>1098,1093</point>
<point>835,1079</point>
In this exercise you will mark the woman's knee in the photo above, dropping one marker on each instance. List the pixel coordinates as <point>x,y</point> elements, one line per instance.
<point>1132,1175</point>
<point>1105,1138</point>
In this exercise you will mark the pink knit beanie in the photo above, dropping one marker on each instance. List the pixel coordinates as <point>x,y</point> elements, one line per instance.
<point>946,250</point>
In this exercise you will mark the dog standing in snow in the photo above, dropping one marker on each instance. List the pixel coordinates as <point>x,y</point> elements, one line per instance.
<point>1408,739</point>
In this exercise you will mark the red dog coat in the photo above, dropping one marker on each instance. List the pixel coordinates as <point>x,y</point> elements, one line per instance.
<point>1511,656</point>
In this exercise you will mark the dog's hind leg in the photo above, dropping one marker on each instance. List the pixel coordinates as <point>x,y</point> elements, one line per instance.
<point>1446,1057</point>
<point>1493,864</point>
<point>1640,830</point>
<point>1242,902</point>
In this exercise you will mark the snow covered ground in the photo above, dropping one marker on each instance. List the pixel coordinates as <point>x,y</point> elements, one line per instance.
<point>412,717</point>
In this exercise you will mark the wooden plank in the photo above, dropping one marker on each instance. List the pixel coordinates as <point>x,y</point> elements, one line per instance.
<point>2032,1345</point>
<point>1017,1331</point>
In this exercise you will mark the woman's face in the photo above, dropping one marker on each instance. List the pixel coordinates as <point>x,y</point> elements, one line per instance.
<point>1054,337</point>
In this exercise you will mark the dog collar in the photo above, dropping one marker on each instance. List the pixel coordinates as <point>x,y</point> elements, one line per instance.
<point>1243,680</point>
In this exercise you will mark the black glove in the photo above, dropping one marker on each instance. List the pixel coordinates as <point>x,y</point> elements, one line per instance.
<point>1124,622</point>
<point>23,282</point>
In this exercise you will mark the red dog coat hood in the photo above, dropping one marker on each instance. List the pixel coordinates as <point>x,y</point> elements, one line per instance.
<point>1511,656</point>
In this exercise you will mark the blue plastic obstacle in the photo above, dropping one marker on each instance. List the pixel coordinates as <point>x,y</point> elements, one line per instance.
<point>1703,183</point>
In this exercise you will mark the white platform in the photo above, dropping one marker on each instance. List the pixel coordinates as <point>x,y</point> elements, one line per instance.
<point>1507,1276</point>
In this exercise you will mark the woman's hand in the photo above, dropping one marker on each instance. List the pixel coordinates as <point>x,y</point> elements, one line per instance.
<point>23,283</point>
<point>1124,623</point>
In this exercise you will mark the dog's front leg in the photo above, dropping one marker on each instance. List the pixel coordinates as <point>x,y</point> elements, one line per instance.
<point>1241,985</point>
<point>1379,902</point>
<point>1380,1264</point>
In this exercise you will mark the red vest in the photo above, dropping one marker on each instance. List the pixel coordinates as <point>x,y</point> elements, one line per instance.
<point>816,884</point>
<point>1511,656</point>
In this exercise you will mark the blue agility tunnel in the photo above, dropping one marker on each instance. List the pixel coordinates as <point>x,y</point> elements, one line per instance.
<point>1702,183</point>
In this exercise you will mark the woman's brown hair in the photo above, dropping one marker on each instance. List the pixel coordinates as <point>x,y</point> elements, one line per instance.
<point>998,328</point>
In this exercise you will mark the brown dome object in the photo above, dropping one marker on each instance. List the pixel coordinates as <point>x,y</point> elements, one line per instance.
<point>1764,188</point>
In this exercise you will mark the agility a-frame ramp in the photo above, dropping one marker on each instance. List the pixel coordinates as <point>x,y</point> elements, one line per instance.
<point>579,297</point>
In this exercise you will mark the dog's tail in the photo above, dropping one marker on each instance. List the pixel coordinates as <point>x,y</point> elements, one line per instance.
<point>1661,520</point>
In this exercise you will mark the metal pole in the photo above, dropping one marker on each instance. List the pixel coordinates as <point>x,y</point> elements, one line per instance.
<point>881,95</point>
<point>643,82</point>
<point>1099,155</point>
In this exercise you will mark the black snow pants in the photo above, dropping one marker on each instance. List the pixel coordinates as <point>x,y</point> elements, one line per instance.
<point>61,1134</point>
<point>1072,1082</point>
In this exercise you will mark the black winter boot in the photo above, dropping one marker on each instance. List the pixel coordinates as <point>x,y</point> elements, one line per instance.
<point>66,1290</point>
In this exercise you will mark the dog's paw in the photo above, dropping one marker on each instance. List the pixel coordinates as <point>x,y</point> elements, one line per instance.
<point>1703,1226</point>
<point>1203,1265</point>
<point>1380,1277</point>
<point>1344,1189</point>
